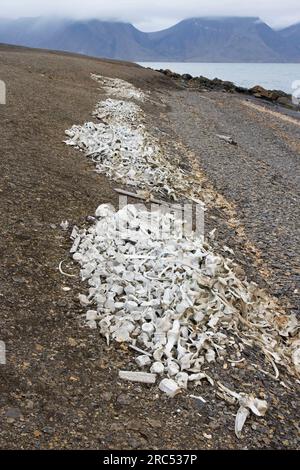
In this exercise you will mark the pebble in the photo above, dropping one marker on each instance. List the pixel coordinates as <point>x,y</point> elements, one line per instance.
<point>107,396</point>
<point>29,404</point>
<point>13,413</point>
<point>48,430</point>
<point>123,400</point>
<point>72,342</point>
<point>154,423</point>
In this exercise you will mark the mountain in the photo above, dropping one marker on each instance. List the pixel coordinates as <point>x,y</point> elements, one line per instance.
<point>224,39</point>
<point>96,38</point>
<point>292,35</point>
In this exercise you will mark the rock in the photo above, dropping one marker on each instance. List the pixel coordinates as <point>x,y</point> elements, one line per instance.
<point>72,342</point>
<point>19,280</point>
<point>90,219</point>
<point>287,102</point>
<point>123,400</point>
<point>29,404</point>
<point>204,82</point>
<point>134,443</point>
<point>260,92</point>
<point>169,73</point>
<point>241,89</point>
<point>270,95</point>
<point>106,396</point>
<point>228,86</point>
<point>48,430</point>
<point>187,76</point>
<point>154,423</point>
<point>13,413</point>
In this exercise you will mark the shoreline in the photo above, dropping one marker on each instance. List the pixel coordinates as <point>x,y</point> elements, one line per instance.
<point>202,83</point>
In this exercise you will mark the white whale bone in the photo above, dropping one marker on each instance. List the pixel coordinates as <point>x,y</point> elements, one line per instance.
<point>141,377</point>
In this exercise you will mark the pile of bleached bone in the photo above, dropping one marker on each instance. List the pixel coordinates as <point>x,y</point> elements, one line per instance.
<point>170,297</point>
<point>173,300</point>
<point>125,151</point>
<point>120,88</point>
<point>112,110</point>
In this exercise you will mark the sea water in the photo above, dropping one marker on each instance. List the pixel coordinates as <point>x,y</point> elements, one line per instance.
<point>269,76</point>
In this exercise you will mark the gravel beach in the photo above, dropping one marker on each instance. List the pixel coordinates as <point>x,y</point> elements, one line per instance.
<point>260,176</point>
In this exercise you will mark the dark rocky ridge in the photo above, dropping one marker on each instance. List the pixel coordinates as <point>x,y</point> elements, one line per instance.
<point>205,84</point>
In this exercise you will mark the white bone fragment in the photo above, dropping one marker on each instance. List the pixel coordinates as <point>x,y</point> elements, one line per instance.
<point>240,420</point>
<point>144,353</point>
<point>143,361</point>
<point>172,368</point>
<point>210,356</point>
<point>64,273</point>
<point>182,379</point>
<point>84,301</point>
<point>198,398</point>
<point>64,225</point>
<point>227,139</point>
<point>169,387</point>
<point>104,210</point>
<point>157,368</point>
<point>172,336</point>
<point>91,315</point>
<point>141,377</point>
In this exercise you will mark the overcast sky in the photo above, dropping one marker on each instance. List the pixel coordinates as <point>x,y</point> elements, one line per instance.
<point>150,15</point>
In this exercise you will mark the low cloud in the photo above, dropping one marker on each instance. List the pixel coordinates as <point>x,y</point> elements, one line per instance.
<point>155,14</point>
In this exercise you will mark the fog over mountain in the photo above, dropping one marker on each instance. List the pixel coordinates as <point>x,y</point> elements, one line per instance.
<point>154,15</point>
<point>210,39</point>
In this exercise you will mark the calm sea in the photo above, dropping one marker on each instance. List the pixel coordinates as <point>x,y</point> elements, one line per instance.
<point>270,76</point>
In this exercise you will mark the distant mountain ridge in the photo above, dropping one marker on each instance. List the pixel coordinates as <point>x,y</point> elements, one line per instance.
<point>224,39</point>
<point>292,35</point>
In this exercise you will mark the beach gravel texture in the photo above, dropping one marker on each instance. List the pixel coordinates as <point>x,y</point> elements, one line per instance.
<point>60,387</point>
